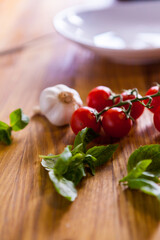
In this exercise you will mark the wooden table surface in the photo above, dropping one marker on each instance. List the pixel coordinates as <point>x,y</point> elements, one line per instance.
<point>32,57</point>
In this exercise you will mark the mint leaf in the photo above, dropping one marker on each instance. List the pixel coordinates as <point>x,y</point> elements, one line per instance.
<point>62,162</point>
<point>145,186</point>
<point>85,136</point>
<point>5,133</point>
<point>146,152</point>
<point>63,186</point>
<point>137,170</point>
<point>102,153</point>
<point>18,120</point>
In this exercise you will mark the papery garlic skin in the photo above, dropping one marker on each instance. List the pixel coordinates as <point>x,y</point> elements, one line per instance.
<point>58,103</point>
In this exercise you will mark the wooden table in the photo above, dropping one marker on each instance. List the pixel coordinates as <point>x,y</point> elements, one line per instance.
<point>32,58</point>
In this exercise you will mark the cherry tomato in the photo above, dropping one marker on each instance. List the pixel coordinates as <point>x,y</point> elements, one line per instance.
<point>137,108</point>
<point>84,117</point>
<point>156,118</point>
<point>98,98</point>
<point>155,101</point>
<point>115,123</point>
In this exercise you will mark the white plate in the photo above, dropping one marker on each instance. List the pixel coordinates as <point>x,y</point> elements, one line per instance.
<point>126,32</point>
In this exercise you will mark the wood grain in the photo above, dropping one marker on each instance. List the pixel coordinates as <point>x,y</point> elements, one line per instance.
<point>29,206</point>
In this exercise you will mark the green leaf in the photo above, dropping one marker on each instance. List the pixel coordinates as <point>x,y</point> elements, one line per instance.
<point>75,175</point>
<point>85,136</point>
<point>18,120</point>
<point>145,186</point>
<point>90,161</point>
<point>137,170</point>
<point>150,176</point>
<point>49,156</point>
<point>68,168</point>
<point>5,133</point>
<point>102,153</point>
<point>143,173</point>
<point>63,186</point>
<point>77,149</point>
<point>75,170</point>
<point>48,164</point>
<point>146,152</point>
<point>62,162</point>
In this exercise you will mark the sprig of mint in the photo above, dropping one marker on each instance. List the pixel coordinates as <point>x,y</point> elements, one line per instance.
<point>68,168</point>
<point>18,121</point>
<point>144,170</point>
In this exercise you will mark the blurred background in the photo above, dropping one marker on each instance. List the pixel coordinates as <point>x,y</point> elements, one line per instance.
<point>24,20</point>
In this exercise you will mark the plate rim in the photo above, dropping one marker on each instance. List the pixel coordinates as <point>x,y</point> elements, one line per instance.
<point>88,7</point>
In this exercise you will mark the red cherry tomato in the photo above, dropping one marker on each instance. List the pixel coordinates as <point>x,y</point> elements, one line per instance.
<point>155,101</point>
<point>98,98</point>
<point>115,123</point>
<point>84,117</point>
<point>137,108</point>
<point>156,118</point>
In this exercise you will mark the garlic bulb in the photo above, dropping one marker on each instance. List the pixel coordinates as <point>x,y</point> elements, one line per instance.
<point>58,103</point>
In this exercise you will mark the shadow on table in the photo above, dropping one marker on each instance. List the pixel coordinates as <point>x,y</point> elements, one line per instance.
<point>144,211</point>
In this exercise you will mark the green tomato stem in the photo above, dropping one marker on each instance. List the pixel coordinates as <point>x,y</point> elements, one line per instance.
<point>129,102</point>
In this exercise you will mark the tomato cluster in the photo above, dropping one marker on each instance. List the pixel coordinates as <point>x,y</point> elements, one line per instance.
<point>155,106</point>
<point>114,121</point>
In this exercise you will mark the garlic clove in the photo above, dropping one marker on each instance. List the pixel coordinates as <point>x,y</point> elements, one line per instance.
<point>58,103</point>
<point>58,119</point>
